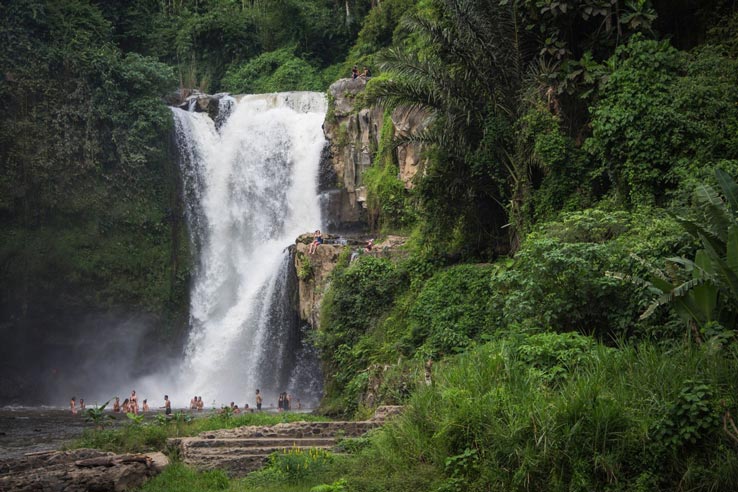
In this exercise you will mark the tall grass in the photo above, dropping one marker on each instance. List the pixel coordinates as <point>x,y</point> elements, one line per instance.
<point>615,419</point>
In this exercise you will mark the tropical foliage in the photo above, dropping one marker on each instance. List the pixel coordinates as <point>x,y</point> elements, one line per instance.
<point>568,139</point>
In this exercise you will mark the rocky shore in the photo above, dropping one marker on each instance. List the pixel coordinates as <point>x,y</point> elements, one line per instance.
<point>79,470</point>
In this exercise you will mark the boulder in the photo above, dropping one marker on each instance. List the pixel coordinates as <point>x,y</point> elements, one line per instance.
<point>79,470</point>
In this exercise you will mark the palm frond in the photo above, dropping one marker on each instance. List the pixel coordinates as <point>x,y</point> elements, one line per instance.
<point>669,297</point>
<point>730,190</point>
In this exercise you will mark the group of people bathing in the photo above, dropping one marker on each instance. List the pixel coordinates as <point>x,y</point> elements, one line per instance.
<point>130,405</point>
<point>284,403</point>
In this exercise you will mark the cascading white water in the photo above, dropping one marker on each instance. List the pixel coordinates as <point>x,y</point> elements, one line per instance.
<point>250,190</point>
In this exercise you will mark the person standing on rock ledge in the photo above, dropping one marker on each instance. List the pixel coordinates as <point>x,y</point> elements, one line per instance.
<point>73,405</point>
<point>167,405</point>
<point>259,399</point>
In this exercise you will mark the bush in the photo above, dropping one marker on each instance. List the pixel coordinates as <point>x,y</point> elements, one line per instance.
<point>553,356</point>
<point>559,282</point>
<point>178,478</point>
<point>663,115</point>
<point>359,296</point>
<point>452,310</point>
<point>297,464</point>
<point>274,71</point>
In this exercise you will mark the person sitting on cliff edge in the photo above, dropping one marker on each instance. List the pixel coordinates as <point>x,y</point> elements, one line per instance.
<point>317,241</point>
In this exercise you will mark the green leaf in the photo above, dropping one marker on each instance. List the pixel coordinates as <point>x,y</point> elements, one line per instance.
<point>705,294</point>
<point>732,248</point>
<point>730,189</point>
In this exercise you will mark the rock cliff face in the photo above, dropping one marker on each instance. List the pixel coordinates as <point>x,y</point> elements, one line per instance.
<point>313,270</point>
<point>353,133</point>
<point>312,274</point>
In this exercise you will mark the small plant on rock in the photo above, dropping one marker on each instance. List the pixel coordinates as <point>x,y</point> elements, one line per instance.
<point>135,419</point>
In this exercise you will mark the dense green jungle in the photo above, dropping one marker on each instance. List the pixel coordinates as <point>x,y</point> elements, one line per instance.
<point>564,316</point>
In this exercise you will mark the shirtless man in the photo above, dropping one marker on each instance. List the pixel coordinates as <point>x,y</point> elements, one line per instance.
<point>82,404</point>
<point>258,400</point>
<point>134,402</point>
<point>200,404</point>
<point>145,406</point>
<point>116,405</point>
<point>167,405</point>
<point>73,405</point>
<point>193,403</point>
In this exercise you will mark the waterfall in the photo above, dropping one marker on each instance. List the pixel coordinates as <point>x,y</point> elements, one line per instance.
<point>250,188</point>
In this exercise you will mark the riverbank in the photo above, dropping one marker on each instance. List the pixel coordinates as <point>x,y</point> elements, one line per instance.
<point>30,430</point>
<point>35,429</point>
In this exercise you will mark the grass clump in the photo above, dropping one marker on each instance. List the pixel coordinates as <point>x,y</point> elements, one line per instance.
<point>179,478</point>
<point>296,466</point>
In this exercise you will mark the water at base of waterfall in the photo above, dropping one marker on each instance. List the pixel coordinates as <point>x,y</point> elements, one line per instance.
<point>250,188</point>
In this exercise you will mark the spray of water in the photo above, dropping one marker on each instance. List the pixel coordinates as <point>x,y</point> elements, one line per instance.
<point>250,189</point>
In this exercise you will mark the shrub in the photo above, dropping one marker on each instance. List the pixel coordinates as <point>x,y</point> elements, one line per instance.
<point>452,310</point>
<point>359,296</point>
<point>558,280</point>
<point>178,478</point>
<point>298,464</point>
<point>292,466</point>
<point>664,115</point>
<point>552,356</point>
<point>274,71</point>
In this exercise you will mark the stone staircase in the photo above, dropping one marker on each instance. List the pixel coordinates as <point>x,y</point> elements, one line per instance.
<point>242,450</point>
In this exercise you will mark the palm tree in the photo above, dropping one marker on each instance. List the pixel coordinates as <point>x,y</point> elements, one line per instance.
<point>467,75</point>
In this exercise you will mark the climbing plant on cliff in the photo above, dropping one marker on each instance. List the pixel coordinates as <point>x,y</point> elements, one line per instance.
<point>387,200</point>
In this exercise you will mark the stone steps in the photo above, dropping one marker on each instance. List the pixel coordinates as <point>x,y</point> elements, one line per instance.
<point>257,450</point>
<point>273,442</point>
<point>245,449</point>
